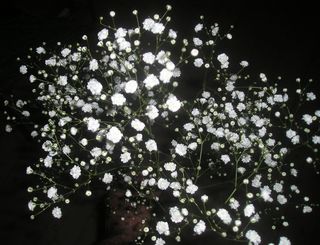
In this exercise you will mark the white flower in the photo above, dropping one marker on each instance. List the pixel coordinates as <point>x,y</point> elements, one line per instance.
<point>151,145</point>
<point>200,227</point>
<point>307,118</point>
<point>137,125</point>
<point>157,28</point>
<point>316,139</point>
<point>253,237</point>
<point>23,69</point>
<point>56,212</point>
<point>52,193</point>
<point>163,184</point>
<point>118,99</point>
<point>114,135</point>
<point>193,146</point>
<point>131,87</point>
<point>165,75</point>
<point>96,152</point>
<point>148,58</point>
<point>31,205</point>
<point>224,215</point>
<point>94,86</point>
<point>225,158</point>
<point>163,228</point>
<point>93,66</point>
<point>121,32</point>
<point>198,27</point>
<point>65,52</point>
<point>107,178</point>
<point>307,209</point>
<point>172,34</point>
<point>284,241</point>
<point>151,81</point>
<point>62,80</point>
<point>160,241</point>
<point>48,161</point>
<point>282,199</point>
<point>263,77</point>
<point>311,96</point>
<point>173,103</point>
<point>66,149</point>
<point>125,157</point>
<point>249,210</point>
<point>93,124</point>
<point>8,128</point>
<point>181,149</point>
<point>148,24</point>
<point>197,41</point>
<point>75,172</point>
<point>40,50</point>
<point>223,59</point>
<point>176,216</point>
<point>170,166</point>
<point>204,198</point>
<point>191,189</point>
<point>244,63</point>
<point>198,62</point>
<point>103,34</point>
<point>152,112</point>
<point>265,194</point>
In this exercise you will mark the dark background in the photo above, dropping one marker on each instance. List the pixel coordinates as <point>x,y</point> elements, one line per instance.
<point>277,40</point>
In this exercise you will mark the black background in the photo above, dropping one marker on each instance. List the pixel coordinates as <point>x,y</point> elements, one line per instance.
<point>275,39</point>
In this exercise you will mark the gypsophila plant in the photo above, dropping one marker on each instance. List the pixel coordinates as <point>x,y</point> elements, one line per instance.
<point>98,108</point>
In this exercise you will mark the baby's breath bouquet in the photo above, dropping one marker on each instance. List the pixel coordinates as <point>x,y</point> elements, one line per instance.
<point>110,115</point>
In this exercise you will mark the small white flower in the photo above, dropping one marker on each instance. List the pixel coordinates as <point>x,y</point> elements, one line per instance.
<point>284,241</point>
<point>151,145</point>
<point>114,135</point>
<point>162,227</point>
<point>103,34</point>
<point>191,189</point>
<point>249,210</point>
<point>197,41</point>
<point>181,149</point>
<point>62,80</point>
<point>225,158</point>
<point>151,81</point>
<point>152,112</point>
<point>165,75</point>
<point>118,99</point>
<point>107,178</point>
<point>75,172</point>
<point>198,62</point>
<point>200,227</point>
<point>160,241</point>
<point>52,193</point>
<point>148,24</point>
<point>253,237</point>
<point>204,198</point>
<point>56,212</point>
<point>223,59</point>
<point>93,66</point>
<point>66,150</point>
<point>31,205</point>
<point>170,166</point>
<point>131,87</point>
<point>23,69</point>
<point>173,103</point>
<point>176,216</point>
<point>307,118</point>
<point>224,215</point>
<point>198,27</point>
<point>137,125</point>
<point>94,86</point>
<point>148,58</point>
<point>93,124</point>
<point>157,28</point>
<point>125,157</point>
<point>65,52</point>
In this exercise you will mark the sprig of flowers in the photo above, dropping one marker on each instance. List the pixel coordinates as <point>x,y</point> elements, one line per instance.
<point>102,106</point>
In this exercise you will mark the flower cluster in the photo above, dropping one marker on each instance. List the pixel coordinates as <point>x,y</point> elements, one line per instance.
<point>103,107</point>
